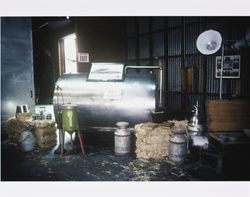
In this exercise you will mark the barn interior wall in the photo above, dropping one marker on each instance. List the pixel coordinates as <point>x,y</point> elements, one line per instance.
<point>190,75</point>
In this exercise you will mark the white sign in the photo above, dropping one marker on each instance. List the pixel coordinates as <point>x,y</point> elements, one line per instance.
<point>231,66</point>
<point>83,57</point>
<point>106,71</point>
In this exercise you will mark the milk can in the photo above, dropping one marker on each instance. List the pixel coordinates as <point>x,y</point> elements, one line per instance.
<point>177,144</point>
<point>196,123</point>
<point>122,139</point>
<point>27,140</point>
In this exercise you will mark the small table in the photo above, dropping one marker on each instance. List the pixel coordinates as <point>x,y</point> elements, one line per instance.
<point>233,151</point>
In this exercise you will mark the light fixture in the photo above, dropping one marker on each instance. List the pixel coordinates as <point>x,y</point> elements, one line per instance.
<point>208,43</point>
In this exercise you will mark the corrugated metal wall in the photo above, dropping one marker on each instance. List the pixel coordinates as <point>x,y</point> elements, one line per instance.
<point>144,47</point>
<point>131,45</point>
<point>17,77</point>
<point>158,44</point>
<point>174,40</point>
<point>174,74</point>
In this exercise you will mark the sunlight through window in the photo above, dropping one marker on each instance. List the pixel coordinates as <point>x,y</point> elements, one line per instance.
<point>70,54</point>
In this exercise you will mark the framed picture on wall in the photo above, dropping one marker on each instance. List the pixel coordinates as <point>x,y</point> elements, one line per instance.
<point>231,66</point>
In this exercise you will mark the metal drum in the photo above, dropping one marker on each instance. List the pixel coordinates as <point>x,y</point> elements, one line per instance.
<point>178,145</point>
<point>69,118</point>
<point>104,103</point>
<point>122,139</point>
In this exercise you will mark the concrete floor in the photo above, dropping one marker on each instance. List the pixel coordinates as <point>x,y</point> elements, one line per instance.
<point>99,164</point>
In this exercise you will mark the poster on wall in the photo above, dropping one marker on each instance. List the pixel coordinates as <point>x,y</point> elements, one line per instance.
<point>231,66</point>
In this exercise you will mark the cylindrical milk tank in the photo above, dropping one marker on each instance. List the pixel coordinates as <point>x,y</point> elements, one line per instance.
<point>178,145</point>
<point>103,103</point>
<point>122,139</point>
<point>69,118</point>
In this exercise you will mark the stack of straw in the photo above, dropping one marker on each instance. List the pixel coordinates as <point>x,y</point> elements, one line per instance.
<point>14,127</point>
<point>45,131</point>
<point>152,139</point>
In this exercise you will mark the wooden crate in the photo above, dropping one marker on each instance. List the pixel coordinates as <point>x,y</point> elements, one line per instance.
<point>225,115</point>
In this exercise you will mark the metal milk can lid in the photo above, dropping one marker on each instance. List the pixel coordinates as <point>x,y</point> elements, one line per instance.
<point>178,130</point>
<point>122,128</point>
<point>122,125</point>
<point>178,135</point>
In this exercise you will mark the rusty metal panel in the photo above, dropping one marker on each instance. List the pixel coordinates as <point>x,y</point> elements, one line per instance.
<point>174,42</point>
<point>195,62</point>
<point>158,44</point>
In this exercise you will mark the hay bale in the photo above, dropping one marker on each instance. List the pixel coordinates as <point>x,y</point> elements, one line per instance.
<point>45,131</point>
<point>152,140</point>
<point>16,124</point>
<point>179,123</point>
<point>14,127</point>
<point>24,116</point>
<point>44,123</point>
